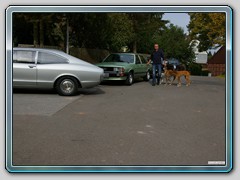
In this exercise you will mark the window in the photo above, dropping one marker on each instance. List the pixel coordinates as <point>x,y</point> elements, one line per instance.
<point>128,58</point>
<point>138,60</point>
<point>20,56</point>
<point>47,58</point>
<point>144,60</point>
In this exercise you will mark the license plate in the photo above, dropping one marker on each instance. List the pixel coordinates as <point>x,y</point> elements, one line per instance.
<point>106,75</point>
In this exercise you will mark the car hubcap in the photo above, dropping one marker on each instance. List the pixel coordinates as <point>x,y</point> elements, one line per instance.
<point>148,75</point>
<point>67,86</point>
<point>130,79</point>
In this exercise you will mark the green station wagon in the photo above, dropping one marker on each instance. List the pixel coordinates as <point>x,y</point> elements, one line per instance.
<point>126,67</point>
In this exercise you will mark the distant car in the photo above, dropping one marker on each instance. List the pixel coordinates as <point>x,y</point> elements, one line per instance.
<point>174,64</point>
<point>47,68</point>
<point>125,67</point>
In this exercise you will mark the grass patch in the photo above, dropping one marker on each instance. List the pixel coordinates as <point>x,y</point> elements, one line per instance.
<point>221,76</point>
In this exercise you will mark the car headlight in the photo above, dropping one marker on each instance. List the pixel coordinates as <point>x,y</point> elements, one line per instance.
<point>118,69</point>
<point>115,69</point>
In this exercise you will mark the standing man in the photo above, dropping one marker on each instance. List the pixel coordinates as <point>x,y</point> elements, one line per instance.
<point>156,58</point>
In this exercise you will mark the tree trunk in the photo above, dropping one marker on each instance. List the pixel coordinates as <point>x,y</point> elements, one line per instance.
<point>67,37</point>
<point>41,30</point>
<point>135,46</point>
<point>35,33</point>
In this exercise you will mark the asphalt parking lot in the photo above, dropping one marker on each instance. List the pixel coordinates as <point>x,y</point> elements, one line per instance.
<point>114,124</point>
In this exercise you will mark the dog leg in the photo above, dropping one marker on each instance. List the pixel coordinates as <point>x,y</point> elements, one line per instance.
<point>188,80</point>
<point>179,81</point>
<point>174,77</point>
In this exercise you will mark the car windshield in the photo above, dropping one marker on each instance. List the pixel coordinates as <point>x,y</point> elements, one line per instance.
<point>128,58</point>
<point>173,61</point>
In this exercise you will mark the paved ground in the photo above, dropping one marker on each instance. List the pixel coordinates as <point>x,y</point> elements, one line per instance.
<point>122,125</point>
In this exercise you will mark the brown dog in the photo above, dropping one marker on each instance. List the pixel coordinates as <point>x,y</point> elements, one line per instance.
<point>176,74</point>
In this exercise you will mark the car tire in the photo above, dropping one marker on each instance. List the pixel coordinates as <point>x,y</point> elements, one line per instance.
<point>67,86</point>
<point>129,80</point>
<point>148,76</point>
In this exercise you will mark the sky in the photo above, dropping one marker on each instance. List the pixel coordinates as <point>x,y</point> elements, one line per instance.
<point>179,19</point>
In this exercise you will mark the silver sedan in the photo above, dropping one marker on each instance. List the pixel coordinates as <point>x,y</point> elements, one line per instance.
<point>47,68</point>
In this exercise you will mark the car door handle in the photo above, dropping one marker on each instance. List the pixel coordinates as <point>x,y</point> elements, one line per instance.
<point>32,66</point>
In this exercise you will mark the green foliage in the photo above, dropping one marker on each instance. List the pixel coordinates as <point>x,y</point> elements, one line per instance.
<point>90,30</point>
<point>175,44</point>
<point>205,73</point>
<point>120,31</point>
<point>210,55</point>
<point>145,27</point>
<point>208,28</point>
<point>195,69</point>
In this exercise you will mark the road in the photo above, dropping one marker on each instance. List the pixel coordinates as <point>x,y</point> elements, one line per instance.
<point>122,125</point>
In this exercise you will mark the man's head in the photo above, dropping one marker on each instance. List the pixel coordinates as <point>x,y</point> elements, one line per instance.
<point>156,47</point>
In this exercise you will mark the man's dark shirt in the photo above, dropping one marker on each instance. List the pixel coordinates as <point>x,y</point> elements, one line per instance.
<point>157,56</point>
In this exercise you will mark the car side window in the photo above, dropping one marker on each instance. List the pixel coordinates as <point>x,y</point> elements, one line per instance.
<point>23,56</point>
<point>47,58</point>
<point>144,60</point>
<point>137,60</point>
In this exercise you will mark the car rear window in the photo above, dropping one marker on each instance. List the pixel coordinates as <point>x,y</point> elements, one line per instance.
<point>48,58</point>
<point>23,56</point>
<point>129,58</point>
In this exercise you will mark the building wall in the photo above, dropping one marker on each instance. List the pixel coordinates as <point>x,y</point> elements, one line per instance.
<point>216,69</point>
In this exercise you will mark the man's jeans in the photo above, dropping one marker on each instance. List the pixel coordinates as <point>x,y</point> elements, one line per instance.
<point>159,68</point>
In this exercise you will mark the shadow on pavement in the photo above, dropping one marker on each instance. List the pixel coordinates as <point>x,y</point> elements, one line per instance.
<point>34,91</point>
<point>120,83</point>
<point>90,91</point>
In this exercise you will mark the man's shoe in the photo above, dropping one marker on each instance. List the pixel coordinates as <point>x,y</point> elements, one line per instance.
<point>153,84</point>
<point>157,83</point>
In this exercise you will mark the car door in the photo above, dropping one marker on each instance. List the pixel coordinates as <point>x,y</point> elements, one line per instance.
<point>144,65</point>
<point>138,67</point>
<point>49,67</point>
<point>24,68</point>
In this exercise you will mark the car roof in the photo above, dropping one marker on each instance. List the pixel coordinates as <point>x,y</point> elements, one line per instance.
<point>38,49</point>
<point>128,53</point>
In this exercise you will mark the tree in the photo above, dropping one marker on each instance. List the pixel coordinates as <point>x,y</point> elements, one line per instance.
<point>40,28</point>
<point>120,31</point>
<point>208,28</point>
<point>210,55</point>
<point>175,44</point>
<point>145,26</point>
<point>109,31</point>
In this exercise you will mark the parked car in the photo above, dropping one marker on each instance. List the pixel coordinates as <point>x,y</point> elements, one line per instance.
<point>174,64</point>
<point>125,67</point>
<point>46,68</point>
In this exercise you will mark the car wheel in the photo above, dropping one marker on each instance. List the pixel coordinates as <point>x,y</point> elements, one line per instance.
<point>129,80</point>
<point>67,86</point>
<point>148,76</point>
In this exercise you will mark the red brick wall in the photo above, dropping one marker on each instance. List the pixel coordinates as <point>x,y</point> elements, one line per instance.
<point>216,69</point>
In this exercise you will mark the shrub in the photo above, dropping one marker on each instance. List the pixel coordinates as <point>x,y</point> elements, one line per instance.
<point>205,73</point>
<point>195,69</point>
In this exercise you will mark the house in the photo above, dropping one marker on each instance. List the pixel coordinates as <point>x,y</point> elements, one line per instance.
<point>201,57</point>
<point>217,64</point>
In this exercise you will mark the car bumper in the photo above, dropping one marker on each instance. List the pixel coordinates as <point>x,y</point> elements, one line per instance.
<point>115,78</point>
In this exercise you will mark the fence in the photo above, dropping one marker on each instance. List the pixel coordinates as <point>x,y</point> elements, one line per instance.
<point>90,55</point>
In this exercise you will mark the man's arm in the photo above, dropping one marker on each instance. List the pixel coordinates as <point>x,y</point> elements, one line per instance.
<point>150,59</point>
